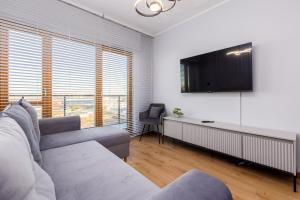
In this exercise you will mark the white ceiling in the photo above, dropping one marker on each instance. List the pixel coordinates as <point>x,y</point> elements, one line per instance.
<point>122,11</point>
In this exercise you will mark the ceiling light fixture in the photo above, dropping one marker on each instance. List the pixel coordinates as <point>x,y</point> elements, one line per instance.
<point>155,7</point>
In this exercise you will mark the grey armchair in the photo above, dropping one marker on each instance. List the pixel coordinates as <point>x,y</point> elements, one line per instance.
<point>153,117</point>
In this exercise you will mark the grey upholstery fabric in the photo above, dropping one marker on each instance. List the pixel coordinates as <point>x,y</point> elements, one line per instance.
<point>155,112</point>
<point>22,117</point>
<point>107,136</point>
<point>89,171</point>
<point>194,185</point>
<point>153,118</point>
<point>33,114</point>
<point>20,177</point>
<point>44,186</point>
<point>58,125</point>
<point>15,182</point>
<point>120,150</point>
<point>144,115</point>
<point>150,121</point>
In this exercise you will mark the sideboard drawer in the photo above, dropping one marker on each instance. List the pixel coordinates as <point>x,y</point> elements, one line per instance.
<point>279,154</point>
<point>225,141</point>
<point>173,129</point>
<point>195,134</point>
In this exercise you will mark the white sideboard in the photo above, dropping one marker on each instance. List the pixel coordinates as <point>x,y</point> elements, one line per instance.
<point>272,148</point>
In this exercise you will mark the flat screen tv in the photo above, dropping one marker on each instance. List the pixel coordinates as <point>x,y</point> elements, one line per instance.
<point>226,70</point>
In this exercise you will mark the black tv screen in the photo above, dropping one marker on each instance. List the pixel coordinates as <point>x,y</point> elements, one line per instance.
<point>225,70</point>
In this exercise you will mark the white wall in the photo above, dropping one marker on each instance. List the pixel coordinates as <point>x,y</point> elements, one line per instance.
<point>273,27</point>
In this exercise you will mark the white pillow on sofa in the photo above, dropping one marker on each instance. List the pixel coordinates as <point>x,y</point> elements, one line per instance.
<point>20,177</point>
<point>44,187</point>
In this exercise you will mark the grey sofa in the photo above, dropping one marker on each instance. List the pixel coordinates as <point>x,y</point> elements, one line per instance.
<point>85,165</point>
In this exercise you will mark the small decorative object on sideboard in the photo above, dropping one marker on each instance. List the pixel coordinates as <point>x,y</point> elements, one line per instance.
<point>177,112</point>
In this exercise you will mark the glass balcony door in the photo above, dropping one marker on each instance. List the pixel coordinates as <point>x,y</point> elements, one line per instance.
<point>73,80</point>
<point>115,88</point>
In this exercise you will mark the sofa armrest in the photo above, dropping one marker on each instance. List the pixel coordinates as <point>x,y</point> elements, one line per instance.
<point>194,185</point>
<point>143,115</point>
<point>58,125</point>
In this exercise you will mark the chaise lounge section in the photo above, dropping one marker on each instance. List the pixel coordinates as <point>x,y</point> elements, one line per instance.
<point>63,131</point>
<point>82,164</point>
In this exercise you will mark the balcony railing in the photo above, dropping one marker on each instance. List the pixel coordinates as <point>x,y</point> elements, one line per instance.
<point>114,108</point>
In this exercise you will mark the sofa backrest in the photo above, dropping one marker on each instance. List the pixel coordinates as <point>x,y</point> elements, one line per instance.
<point>23,118</point>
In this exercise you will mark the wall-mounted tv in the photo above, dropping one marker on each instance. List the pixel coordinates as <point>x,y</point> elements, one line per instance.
<point>226,70</point>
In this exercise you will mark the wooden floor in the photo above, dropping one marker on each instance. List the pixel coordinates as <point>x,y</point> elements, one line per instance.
<point>165,162</point>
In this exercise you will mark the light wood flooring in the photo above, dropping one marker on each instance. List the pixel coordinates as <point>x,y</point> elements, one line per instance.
<point>163,163</point>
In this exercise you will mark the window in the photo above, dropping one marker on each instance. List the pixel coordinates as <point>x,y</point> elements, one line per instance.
<point>114,69</point>
<point>73,80</point>
<point>64,76</point>
<point>25,67</point>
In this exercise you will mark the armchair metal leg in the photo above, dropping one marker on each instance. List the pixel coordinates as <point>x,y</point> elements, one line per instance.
<point>158,134</point>
<point>295,183</point>
<point>142,132</point>
<point>163,134</point>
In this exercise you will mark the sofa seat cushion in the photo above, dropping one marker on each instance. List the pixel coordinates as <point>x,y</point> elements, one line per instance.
<point>107,136</point>
<point>89,171</point>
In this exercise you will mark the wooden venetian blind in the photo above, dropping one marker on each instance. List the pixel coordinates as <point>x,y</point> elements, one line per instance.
<point>25,62</point>
<point>63,76</point>
<point>47,77</point>
<point>23,67</point>
<point>3,66</point>
<point>99,100</point>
